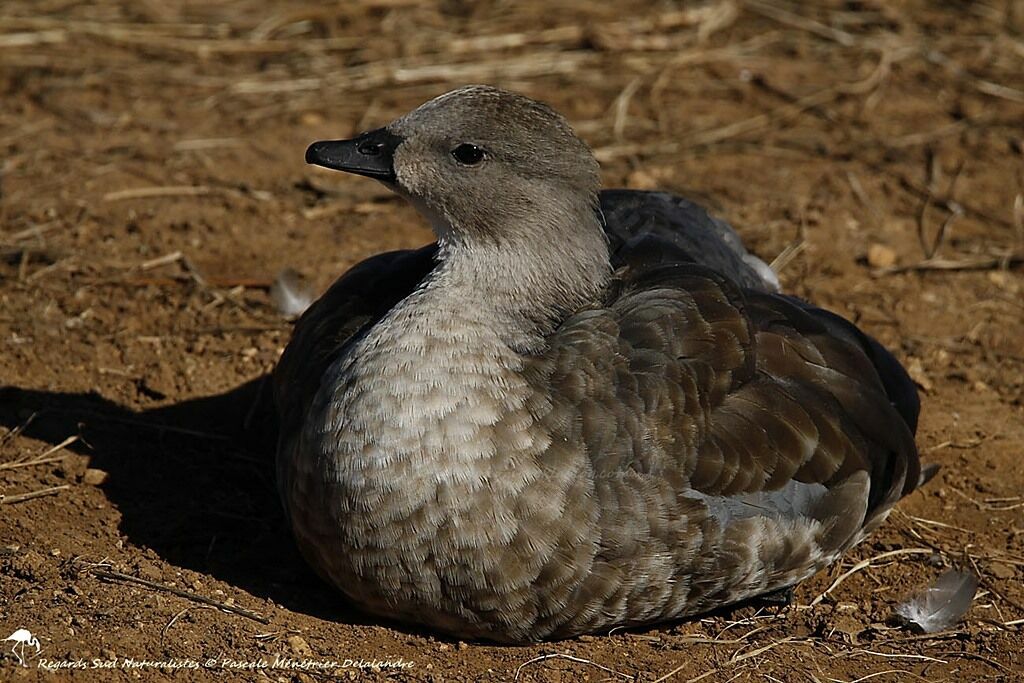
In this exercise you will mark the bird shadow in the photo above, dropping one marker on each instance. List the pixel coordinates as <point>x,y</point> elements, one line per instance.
<point>193,481</point>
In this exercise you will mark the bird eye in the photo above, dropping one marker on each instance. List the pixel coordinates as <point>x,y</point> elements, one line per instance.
<point>468,154</point>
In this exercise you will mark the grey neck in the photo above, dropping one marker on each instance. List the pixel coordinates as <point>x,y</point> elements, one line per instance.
<point>525,282</point>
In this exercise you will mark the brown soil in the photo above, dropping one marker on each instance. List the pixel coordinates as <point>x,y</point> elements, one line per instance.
<point>133,131</point>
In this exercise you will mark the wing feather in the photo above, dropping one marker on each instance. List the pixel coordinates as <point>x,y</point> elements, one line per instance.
<point>752,398</point>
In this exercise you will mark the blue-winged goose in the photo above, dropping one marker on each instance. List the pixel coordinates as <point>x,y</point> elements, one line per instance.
<point>577,409</point>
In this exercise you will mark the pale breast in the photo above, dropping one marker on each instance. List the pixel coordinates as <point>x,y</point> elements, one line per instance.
<point>422,481</point>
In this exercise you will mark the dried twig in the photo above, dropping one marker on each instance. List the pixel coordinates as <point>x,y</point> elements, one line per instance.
<point>173,620</point>
<point>31,38</point>
<point>168,191</point>
<point>787,255</point>
<point>36,231</point>
<point>621,107</point>
<point>981,85</point>
<point>173,257</point>
<point>1018,219</point>
<point>920,192</point>
<point>559,655</point>
<point>876,674</point>
<point>750,125</point>
<point>407,72</point>
<point>734,660</point>
<point>965,263</point>
<point>30,463</point>
<point>980,658</point>
<point>864,564</point>
<point>27,459</point>
<point>14,433</point>
<point>931,247</point>
<point>22,497</point>
<point>797,21</point>
<point>105,572</point>
<point>889,655</point>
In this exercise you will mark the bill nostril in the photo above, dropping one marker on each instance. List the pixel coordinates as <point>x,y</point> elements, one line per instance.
<point>369,148</point>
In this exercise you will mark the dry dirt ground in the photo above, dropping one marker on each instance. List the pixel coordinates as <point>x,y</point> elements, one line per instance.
<point>153,185</point>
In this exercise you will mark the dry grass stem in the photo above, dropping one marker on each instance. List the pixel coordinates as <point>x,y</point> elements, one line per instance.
<point>106,573</point>
<point>876,674</point>
<point>983,86</point>
<point>733,661</point>
<point>29,39</point>
<point>750,125</point>
<point>14,433</point>
<point>889,655</point>
<point>31,495</point>
<point>787,256</point>
<point>31,463</point>
<point>149,192</point>
<point>570,658</point>
<point>864,564</point>
<point>797,21</point>
<point>49,451</point>
<point>37,231</point>
<point>1018,219</point>
<point>1003,262</point>
<point>621,107</point>
<point>173,620</point>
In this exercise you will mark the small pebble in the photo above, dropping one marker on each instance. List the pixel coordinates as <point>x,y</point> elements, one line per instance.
<point>916,371</point>
<point>881,256</point>
<point>94,477</point>
<point>299,646</point>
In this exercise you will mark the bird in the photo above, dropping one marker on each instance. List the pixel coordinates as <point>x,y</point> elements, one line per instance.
<point>578,409</point>
<point>23,638</point>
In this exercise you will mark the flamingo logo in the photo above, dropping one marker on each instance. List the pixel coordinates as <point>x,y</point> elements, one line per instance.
<point>23,638</point>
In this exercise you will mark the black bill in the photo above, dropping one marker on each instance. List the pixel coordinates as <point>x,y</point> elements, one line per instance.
<point>371,154</point>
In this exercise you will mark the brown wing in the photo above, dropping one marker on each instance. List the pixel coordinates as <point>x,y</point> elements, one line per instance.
<point>739,440</point>
<point>873,392</point>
